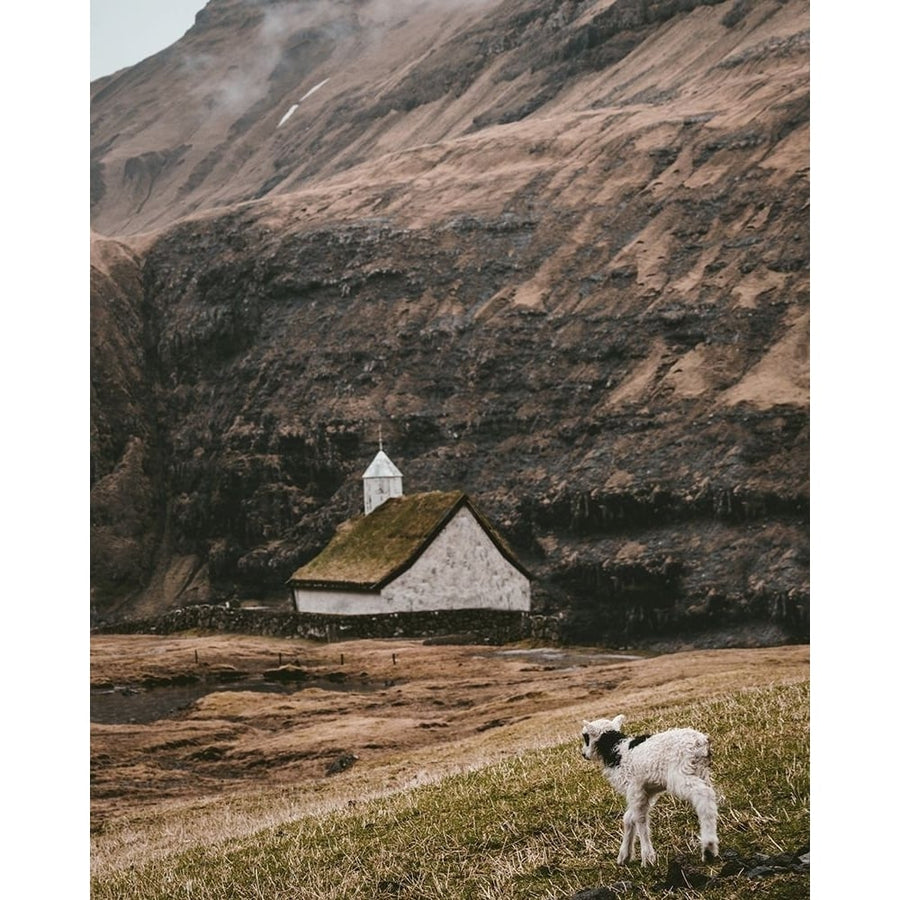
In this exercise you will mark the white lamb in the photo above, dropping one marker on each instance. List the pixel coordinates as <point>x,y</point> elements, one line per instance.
<point>643,767</point>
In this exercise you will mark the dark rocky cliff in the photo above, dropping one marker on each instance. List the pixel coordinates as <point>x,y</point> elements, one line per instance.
<point>560,257</point>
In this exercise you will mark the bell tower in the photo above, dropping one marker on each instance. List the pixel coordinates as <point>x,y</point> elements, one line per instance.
<point>382,480</point>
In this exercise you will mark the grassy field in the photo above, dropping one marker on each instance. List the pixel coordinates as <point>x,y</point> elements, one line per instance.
<point>541,823</point>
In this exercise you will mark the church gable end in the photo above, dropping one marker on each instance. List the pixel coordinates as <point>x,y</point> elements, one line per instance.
<point>461,568</point>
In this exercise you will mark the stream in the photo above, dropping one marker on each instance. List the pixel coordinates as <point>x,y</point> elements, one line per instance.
<point>139,704</point>
<point>124,704</point>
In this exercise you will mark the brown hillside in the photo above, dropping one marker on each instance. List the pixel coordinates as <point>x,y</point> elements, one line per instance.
<point>559,251</point>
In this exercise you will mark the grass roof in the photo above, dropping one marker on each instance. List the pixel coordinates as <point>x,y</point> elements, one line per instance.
<point>369,551</point>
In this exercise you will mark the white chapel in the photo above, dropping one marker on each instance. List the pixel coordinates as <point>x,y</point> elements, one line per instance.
<point>411,553</point>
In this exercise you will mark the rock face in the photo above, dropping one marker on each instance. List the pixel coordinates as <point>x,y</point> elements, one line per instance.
<point>558,251</point>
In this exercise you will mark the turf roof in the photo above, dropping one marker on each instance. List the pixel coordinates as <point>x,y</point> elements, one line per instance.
<point>369,551</point>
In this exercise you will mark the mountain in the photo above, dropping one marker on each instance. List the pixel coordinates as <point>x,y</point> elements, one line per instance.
<point>557,251</point>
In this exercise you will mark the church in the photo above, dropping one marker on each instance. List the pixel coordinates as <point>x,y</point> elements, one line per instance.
<point>428,551</point>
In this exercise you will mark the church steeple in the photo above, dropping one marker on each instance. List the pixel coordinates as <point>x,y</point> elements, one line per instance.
<point>382,480</point>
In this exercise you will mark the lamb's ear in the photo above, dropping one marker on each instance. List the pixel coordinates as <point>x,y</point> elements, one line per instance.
<point>618,722</point>
<point>585,723</point>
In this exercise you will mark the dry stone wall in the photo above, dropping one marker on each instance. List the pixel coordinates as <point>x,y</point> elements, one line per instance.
<point>753,628</point>
<point>476,625</point>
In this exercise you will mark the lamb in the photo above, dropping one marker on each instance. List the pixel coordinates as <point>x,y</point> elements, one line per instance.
<point>641,768</point>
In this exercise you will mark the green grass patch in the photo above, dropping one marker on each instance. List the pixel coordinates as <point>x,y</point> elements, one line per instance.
<point>541,824</point>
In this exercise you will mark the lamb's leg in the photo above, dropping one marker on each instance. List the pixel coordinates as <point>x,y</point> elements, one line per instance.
<point>628,837</point>
<point>639,804</point>
<point>703,798</point>
<point>707,812</point>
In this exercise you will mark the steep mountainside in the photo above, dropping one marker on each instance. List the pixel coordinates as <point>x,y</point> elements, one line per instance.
<point>559,252</point>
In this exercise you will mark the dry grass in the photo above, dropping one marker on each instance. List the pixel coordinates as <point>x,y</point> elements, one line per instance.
<point>539,824</point>
<point>166,818</point>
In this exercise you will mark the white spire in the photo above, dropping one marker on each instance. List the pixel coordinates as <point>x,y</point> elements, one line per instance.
<point>382,480</point>
<point>382,467</point>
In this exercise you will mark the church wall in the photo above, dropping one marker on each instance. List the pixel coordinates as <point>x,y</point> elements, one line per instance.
<point>461,569</point>
<point>338,603</point>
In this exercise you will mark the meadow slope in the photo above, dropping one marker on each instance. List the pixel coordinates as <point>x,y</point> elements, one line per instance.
<point>468,781</point>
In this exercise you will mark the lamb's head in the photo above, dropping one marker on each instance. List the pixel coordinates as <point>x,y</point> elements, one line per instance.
<point>599,736</point>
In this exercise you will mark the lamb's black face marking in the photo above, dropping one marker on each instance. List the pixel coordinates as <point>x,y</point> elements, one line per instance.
<point>637,740</point>
<point>606,747</point>
<point>587,738</point>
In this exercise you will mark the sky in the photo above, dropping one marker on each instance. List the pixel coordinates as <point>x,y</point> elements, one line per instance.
<point>123,32</point>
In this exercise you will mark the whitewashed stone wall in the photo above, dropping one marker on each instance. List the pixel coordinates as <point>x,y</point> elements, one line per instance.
<point>338,603</point>
<point>460,569</point>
